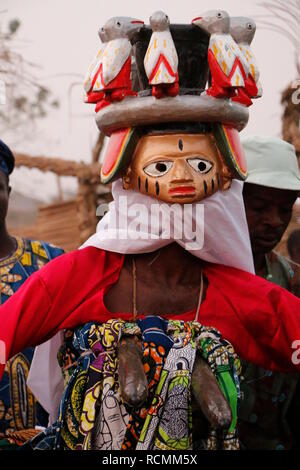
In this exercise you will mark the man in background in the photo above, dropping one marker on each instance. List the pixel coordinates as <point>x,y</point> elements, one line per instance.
<point>19,258</point>
<point>268,414</point>
<point>270,191</point>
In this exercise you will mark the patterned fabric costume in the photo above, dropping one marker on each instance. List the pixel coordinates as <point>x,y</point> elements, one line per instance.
<point>267,411</point>
<point>18,407</point>
<point>92,415</point>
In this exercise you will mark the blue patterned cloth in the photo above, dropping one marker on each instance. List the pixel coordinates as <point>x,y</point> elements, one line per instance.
<point>7,160</point>
<point>18,407</point>
<point>154,329</point>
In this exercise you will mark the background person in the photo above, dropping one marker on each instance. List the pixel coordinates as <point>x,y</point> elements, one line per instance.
<point>19,258</point>
<point>268,414</point>
<point>270,191</point>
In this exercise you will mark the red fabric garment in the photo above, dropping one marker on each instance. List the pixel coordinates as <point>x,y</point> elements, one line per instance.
<point>260,319</point>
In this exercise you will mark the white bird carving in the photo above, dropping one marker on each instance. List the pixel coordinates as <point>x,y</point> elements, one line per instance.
<point>112,68</point>
<point>161,59</point>
<point>91,85</point>
<point>228,66</point>
<point>243,30</point>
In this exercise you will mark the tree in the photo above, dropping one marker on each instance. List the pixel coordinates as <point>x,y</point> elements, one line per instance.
<point>26,99</point>
<point>284,17</point>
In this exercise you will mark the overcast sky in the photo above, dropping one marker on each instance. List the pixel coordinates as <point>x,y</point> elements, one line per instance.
<point>61,37</point>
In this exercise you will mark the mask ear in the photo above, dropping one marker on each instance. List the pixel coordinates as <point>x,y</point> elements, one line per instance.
<point>226,184</point>
<point>118,155</point>
<point>229,144</point>
<point>226,178</point>
<point>126,179</point>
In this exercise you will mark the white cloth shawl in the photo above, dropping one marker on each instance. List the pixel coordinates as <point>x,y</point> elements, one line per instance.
<point>133,225</point>
<point>222,239</point>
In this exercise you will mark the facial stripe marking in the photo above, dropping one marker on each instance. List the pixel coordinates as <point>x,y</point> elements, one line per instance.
<point>146,185</point>
<point>218,180</point>
<point>139,183</point>
<point>212,185</point>
<point>180,144</point>
<point>157,188</point>
<point>205,186</point>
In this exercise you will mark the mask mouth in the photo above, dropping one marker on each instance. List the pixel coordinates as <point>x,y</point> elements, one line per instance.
<point>183,190</point>
<point>196,19</point>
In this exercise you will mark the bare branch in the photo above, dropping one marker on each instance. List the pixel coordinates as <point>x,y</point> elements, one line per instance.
<point>285,20</point>
<point>278,29</point>
<point>26,98</point>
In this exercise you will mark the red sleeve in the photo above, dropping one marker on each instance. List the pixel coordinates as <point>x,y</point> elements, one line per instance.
<point>260,319</point>
<point>63,294</point>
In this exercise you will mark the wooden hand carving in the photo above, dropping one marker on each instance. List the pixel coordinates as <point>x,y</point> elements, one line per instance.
<point>209,396</point>
<point>132,378</point>
<point>206,391</point>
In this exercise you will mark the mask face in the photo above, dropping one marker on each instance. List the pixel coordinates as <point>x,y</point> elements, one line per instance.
<point>177,168</point>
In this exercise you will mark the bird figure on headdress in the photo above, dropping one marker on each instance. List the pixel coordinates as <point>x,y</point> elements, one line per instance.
<point>161,59</point>
<point>227,65</point>
<point>92,83</point>
<point>113,76</point>
<point>243,29</point>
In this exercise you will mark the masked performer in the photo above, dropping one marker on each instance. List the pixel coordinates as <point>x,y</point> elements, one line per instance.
<point>154,297</point>
<point>19,258</point>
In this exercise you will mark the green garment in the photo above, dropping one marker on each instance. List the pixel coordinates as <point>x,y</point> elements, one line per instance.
<point>269,415</point>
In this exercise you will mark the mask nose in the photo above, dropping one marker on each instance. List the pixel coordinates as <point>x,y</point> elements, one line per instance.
<point>181,172</point>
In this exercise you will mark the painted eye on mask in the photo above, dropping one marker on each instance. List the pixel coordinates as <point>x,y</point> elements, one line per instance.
<point>200,165</point>
<point>158,168</point>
